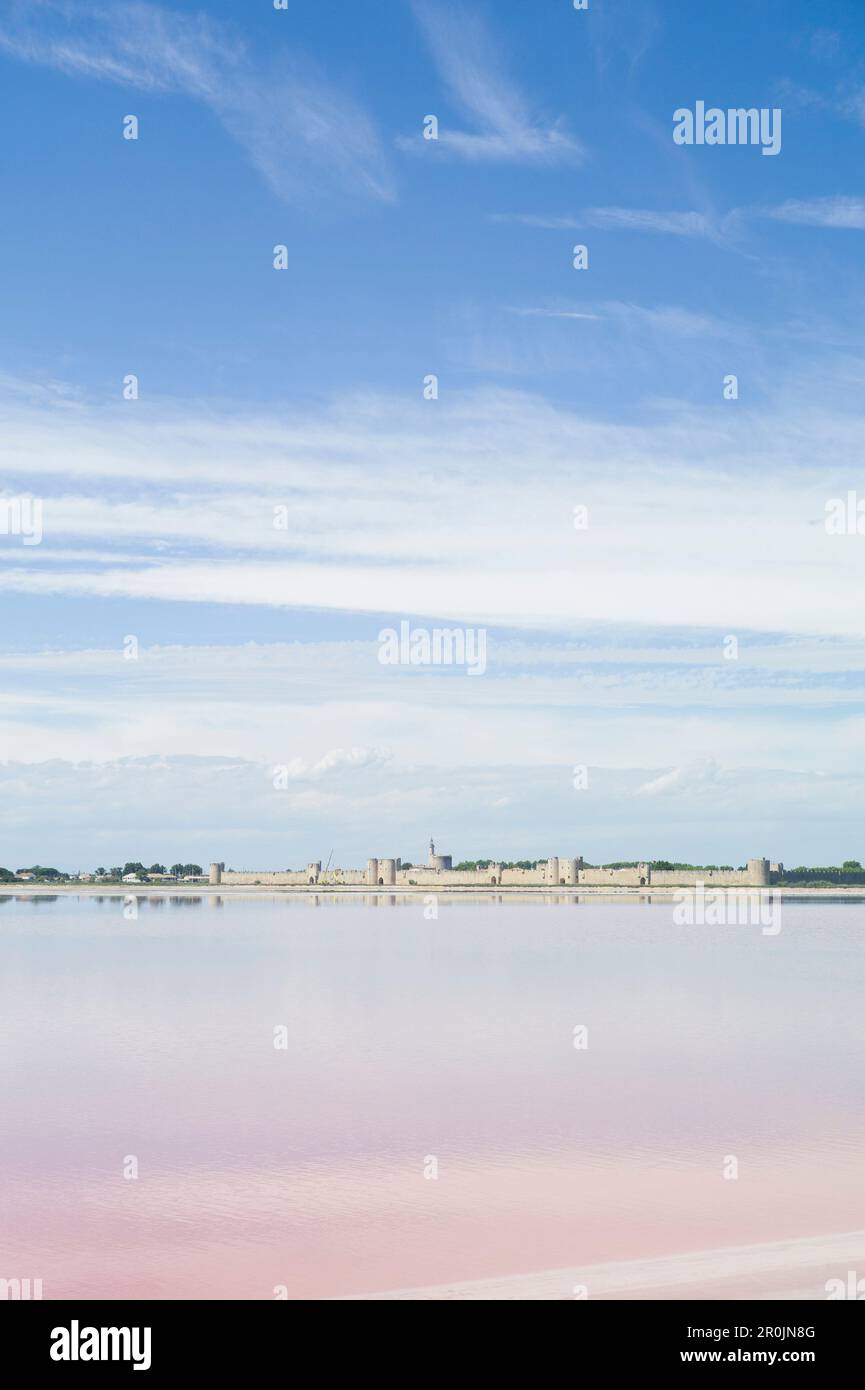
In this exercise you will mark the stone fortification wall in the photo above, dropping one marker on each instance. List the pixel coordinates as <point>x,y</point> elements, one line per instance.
<point>554,872</point>
<point>624,878</point>
<point>687,878</point>
<point>756,875</point>
<point>518,878</point>
<point>433,878</point>
<point>302,878</point>
<point>248,876</point>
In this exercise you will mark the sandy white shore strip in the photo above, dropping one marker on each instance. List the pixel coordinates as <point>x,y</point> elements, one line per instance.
<point>787,1269</point>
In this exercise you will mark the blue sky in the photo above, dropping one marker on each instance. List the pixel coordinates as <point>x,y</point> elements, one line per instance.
<point>303,388</point>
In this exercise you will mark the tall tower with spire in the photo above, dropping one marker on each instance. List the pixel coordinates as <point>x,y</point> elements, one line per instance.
<point>438,861</point>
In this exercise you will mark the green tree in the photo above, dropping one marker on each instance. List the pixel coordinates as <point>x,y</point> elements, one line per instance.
<point>851,864</point>
<point>156,869</point>
<point>136,868</point>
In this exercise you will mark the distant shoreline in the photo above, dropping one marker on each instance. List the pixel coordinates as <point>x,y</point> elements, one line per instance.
<point>270,890</point>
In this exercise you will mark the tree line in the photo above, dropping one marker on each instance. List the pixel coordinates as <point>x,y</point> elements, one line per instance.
<point>48,875</point>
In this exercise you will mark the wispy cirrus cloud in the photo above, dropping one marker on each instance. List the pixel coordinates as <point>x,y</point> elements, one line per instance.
<point>466,54</point>
<point>651,319</point>
<point>622,37</point>
<point>846,99</point>
<point>644,220</point>
<point>299,130</point>
<point>546,223</point>
<point>678,502</point>
<point>667,318</point>
<point>553,313</point>
<point>841,212</point>
<point>670,223</point>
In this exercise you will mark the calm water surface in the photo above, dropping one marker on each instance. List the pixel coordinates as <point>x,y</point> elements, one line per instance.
<point>408,1041</point>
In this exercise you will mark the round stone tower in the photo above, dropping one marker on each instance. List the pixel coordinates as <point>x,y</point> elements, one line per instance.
<point>438,861</point>
<point>216,871</point>
<point>758,872</point>
<point>387,871</point>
